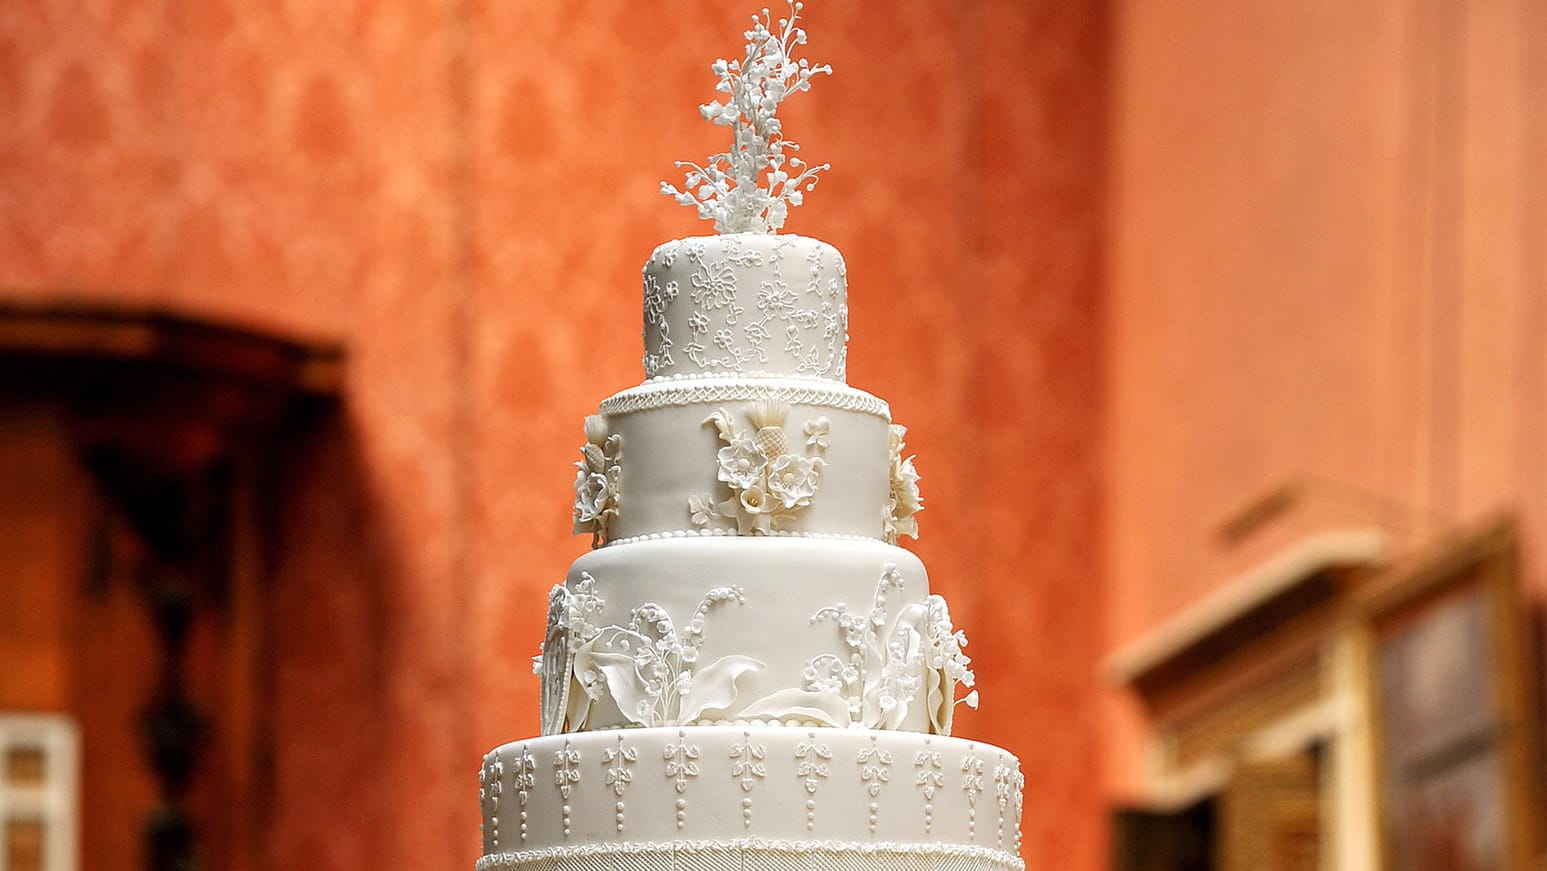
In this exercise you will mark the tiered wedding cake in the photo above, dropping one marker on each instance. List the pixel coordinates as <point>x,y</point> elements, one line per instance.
<point>746,672</point>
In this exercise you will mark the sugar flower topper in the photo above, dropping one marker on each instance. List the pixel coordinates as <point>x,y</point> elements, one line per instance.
<point>750,188</point>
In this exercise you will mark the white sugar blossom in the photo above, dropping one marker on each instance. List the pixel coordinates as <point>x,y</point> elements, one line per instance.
<point>592,496</point>
<point>817,433</point>
<point>769,485</point>
<point>947,667</point>
<point>750,188</point>
<point>754,501</point>
<point>904,501</point>
<point>701,510</point>
<point>793,480</point>
<point>880,677</point>
<point>905,489</point>
<point>596,481</point>
<point>742,464</point>
<point>714,284</point>
<point>775,298</point>
<point>649,668</point>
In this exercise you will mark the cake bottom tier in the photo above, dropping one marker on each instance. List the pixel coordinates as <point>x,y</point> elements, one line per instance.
<point>725,798</point>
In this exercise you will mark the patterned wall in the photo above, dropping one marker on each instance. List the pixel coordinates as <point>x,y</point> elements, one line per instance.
<point>464,192</point>
<point>1325,249</point>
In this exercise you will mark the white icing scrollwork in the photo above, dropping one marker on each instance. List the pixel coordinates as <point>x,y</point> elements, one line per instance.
<point>553,661</point>
<point>946,666</point>
<point>658,295</point>
<point>647,669</point>
<point>1019,801</point>
<point>570,616</point>
<point>972,787</point>
<point>698,778</point>
<point>597,482</point>
<point>618,761</point>
<point>929,777</point>
<point>903,501</point>
<point>812,762</point>
<point>566,769</point>
<point>768,484</point>
<point>490,787</point>
<point>743,304</point>
<point>525,780</point>
<point>875,767</point>
<point>747,764</point>
<point>681,762</point>
<point>1004,787</point>
<point>882,674</point>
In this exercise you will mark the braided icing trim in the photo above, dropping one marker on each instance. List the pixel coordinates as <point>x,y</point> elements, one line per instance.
<point>796,852</point>
<point>731,533</point>
<point>667,394</point>
<point>759,374</point>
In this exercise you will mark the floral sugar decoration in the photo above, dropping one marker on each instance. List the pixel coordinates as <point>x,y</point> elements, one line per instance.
<point>769,484</point>
<point>893,664</point>
<point>904,500</point>
<point>649,668</point>
<point>750,188</point>
<point>596,484</point>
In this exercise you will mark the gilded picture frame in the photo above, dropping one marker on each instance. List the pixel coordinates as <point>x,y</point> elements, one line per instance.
<point>1455,749</point>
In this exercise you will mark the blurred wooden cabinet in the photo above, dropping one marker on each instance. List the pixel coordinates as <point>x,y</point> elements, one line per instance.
<point>1270,815</point>
<point>135,446</point>
<point>1344,709</point>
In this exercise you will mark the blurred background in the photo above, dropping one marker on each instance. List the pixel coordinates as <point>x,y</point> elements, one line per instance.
<point>1219,328</point>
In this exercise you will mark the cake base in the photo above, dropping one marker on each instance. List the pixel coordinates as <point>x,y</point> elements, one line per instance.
<point>740,798</point>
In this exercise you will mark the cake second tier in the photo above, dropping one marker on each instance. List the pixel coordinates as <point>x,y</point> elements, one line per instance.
<point>798,632</point>
<point>742,456</point>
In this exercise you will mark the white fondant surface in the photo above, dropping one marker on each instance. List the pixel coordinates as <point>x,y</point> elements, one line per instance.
<point>725,790</point>
<point>746,302</point>
<point>670,454</point>
<point>785,582</point>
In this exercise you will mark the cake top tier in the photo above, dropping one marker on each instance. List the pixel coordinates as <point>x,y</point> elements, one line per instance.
<point>747,304</point>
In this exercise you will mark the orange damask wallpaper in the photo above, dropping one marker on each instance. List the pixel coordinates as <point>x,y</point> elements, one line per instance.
<point>464,192</point>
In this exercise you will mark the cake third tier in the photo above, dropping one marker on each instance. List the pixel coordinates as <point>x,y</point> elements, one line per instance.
<point>794,632</point>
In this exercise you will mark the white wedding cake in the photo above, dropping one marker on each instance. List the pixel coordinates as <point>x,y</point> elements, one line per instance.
<point>746,672</point>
